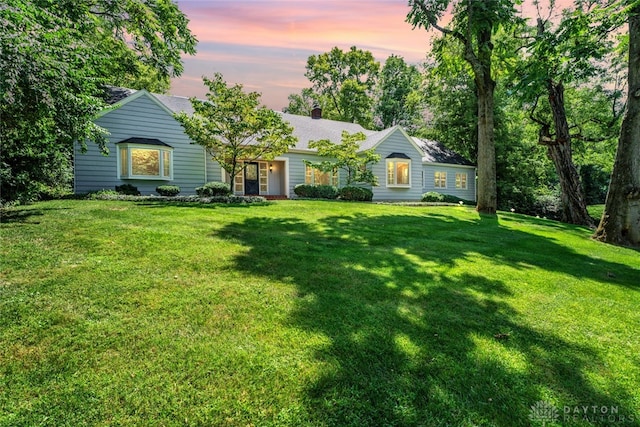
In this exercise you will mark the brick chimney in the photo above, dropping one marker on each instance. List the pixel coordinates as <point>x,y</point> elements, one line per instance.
<point>316,113</point>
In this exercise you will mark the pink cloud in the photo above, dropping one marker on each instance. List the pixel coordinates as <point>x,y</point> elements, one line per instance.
<point>231,34</point>
<point>264,44</point>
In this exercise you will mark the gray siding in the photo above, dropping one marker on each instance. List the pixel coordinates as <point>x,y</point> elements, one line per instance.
<point>429,180</point>
<point>214,171</point>
<point>141,117</point>
<point>297,169</point>
<point>396,142</point>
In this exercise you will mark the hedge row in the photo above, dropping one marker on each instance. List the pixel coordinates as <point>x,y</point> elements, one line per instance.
<point>331,192</point>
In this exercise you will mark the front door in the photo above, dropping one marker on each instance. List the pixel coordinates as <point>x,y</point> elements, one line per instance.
<point>251,181</point>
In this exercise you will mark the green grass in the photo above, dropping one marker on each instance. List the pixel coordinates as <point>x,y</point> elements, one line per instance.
<point>595,211</point>
<point>310,313</point>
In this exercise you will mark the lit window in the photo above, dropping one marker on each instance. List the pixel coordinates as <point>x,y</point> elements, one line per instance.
<point>398,171</point>
<point>440,179</point>
<point>461,181</point>
<point>313,176</point>
<point>142,158</point>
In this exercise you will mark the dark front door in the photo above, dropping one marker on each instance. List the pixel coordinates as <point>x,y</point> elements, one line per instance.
<point>251,183</point>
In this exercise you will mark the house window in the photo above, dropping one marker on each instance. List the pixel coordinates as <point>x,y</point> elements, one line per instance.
<point>398,171</point>
<point>461,181</point>
<point>314,176</point>
<point>238,181</point>
<point>145,160</point>
<point>440,179</point>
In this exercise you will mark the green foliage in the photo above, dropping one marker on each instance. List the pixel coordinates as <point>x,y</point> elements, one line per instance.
<point>168,190</point>
<point>55,57</point>
<point>433,197</point>
<point>355,194</point>
<point>103,194</point>
<point>399,100</point>
<point>451,98</point>
<point>234,128</point>
<point>316,191</point>
<point>127,190</point>
<point>345,81</point>
<point>194,200</point>
<point>348,157</point>
<point>303,103</point>
<point>214,188</point>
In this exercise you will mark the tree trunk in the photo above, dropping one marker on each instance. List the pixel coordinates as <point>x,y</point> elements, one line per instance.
<point>620,223</point>
<point>486,186</point>
<point>574,206</point>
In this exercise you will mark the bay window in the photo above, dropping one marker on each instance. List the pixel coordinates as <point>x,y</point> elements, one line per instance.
<point>142,158</point>
<point>398,170</point>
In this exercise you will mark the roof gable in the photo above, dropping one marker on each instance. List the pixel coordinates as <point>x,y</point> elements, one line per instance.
<point>131,98</point>
<point>380,137</point>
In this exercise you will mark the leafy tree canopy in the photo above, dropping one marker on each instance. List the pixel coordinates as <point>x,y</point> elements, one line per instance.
<point>55,58</point>
<point>348,157</point>
<point>345,81</point>
<point>234,128</point>
<point>399,99</point>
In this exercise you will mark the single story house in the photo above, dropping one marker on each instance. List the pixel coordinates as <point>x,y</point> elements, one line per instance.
<point>148,148</point>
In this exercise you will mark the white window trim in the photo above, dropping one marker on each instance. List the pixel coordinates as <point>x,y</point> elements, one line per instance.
<point>446,179</point>
<point>466,181</point>
<point>129,146</point>
<point>395,174</point>
<point>335,174</point>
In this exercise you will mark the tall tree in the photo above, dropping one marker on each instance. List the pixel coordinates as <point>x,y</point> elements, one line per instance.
<point>55,57</point>
<point>474,22</point>
<point>234,128</point>
<point>620,222</point>
<point>346,81</point>
<point>399,100</point>
<point>557,55</point>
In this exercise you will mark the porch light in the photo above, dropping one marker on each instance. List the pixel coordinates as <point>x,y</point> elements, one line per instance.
<point>270,167</point>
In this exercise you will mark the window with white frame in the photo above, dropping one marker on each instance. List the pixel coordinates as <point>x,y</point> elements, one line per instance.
<point>440,179</point>
<point>314,176</point>
<point>141,158</point>
<point>461,181</point>
<point>398,170</point>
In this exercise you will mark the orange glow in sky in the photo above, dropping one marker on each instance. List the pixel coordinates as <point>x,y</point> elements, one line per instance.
<point>264,44</point>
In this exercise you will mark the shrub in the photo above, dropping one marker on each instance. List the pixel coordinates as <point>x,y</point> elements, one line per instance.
<point>303,190</point>
<point>547,205</point>
<point>316,191</point>
<point>168,190</point>
<point>433,197</point>
<point>213,189</point>
<point>127,189</point>
<point>356,194</point>
<point>102,194</point>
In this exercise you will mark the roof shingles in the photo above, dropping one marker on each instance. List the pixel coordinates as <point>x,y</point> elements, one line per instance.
<point>307,129</point>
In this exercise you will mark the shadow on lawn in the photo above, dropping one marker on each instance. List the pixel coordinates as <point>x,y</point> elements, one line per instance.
<point>24,215</point>
<point>413,346</point>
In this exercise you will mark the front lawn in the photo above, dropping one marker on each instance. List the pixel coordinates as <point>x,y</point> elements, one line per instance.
<point>312,313</point>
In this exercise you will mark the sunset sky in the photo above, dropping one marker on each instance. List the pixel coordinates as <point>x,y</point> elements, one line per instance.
<point>264,44</point>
